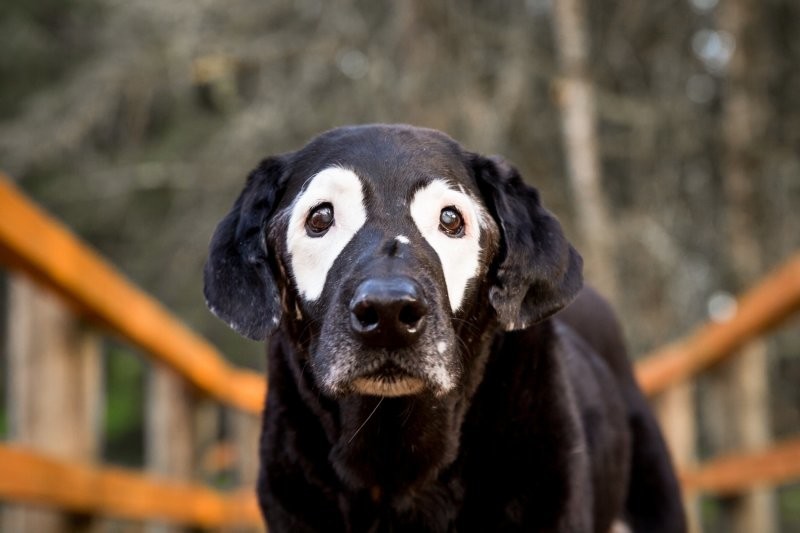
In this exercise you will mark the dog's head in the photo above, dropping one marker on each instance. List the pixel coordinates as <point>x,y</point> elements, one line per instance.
<point>384,248</point>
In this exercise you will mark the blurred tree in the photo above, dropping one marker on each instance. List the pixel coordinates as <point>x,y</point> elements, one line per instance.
<point>136,122</point>
<point>743,382</point>
<point>42,42</point>
<point>575,95</point>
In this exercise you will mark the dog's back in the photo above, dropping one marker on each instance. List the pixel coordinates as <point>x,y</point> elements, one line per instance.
<point>652,502</point>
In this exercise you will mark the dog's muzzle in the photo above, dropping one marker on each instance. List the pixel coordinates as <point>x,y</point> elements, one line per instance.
<point>388,350</point>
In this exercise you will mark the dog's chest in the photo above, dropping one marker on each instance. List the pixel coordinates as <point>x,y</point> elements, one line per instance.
<point>434,509</point>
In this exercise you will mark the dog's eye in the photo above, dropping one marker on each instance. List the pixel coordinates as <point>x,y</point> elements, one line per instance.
<point>319,220</point>
<point>451,222</point>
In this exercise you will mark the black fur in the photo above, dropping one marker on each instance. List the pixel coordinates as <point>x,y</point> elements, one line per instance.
<point>540,272</point>
<point>545,428</point>
<point>239,287</point>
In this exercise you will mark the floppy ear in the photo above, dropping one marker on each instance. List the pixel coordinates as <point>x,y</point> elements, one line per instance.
<point>239,285</point>
<point>538,271</point>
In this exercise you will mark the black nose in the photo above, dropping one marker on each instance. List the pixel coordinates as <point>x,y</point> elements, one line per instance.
<point>388,312</point>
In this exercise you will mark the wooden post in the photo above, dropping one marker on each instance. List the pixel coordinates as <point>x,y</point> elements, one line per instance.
<point>54,392</point>
<point>738,421</point>
<point>169,431</point>
<point>675,410</point>
<point>742,386</point>
<point>246,432</point>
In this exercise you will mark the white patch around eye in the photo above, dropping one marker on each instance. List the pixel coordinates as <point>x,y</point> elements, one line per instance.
<point>402,239</point>
<point>312,257</point>
<point>459,255</point>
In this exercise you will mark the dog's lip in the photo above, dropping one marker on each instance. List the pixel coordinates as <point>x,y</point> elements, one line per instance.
<point>387,378</point>
<point>404,386</point>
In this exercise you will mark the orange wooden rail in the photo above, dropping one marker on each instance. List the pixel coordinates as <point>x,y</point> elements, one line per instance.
<point>33,478</point>
<point>739,472</point>
<point>35,243</point>
<point>43,248</point>
<point>759,310</point>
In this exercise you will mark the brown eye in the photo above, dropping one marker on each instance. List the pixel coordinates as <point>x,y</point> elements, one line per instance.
<point>319,220</point>
<point>450,222</point>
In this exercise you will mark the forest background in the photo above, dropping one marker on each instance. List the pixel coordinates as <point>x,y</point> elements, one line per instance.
<point>136,123</point>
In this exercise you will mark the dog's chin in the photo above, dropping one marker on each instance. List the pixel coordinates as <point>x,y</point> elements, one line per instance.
<point>343,369</point>
<point>388,386</point>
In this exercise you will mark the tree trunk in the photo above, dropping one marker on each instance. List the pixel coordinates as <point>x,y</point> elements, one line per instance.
<point>676,413</point>
<point>740,388</point>
<point>169,432</point>
<point>576,98</point>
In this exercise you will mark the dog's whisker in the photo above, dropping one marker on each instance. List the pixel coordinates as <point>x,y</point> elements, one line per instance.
<point>364,423</point>
<point>407,414</point>
<point>307,326</point>
<point>462,350</point>
<point>466,324</point>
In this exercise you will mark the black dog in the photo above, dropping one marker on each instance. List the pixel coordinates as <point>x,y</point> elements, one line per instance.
<point>415,380</point>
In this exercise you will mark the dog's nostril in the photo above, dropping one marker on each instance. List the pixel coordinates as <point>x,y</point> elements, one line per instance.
<point>411,314</point>
<point>366,315</point>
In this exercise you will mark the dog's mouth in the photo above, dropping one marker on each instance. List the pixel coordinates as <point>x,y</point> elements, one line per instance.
<point>388,379</point>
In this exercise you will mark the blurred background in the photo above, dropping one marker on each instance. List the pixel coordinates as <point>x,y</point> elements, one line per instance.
<point>665,136</point>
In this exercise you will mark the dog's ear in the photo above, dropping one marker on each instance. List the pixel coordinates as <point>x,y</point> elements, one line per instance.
<point>239,286</point>
<point>537,272</point>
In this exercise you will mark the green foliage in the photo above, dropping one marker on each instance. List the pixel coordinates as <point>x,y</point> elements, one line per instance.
<point>710,514</point>
<point>789,507</point>
<point>124,414</point>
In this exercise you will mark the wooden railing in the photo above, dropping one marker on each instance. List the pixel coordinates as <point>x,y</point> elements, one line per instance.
<point>47,251</point>
<point>32,477</point>
<point>33,243</point>
<point>761,309</point>
<point>766,306</point>
<point>43,249</point>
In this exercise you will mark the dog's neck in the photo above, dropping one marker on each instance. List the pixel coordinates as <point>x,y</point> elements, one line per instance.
<point>392,446</point>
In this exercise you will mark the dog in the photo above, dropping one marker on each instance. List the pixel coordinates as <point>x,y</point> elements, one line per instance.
<point>418,378</point>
